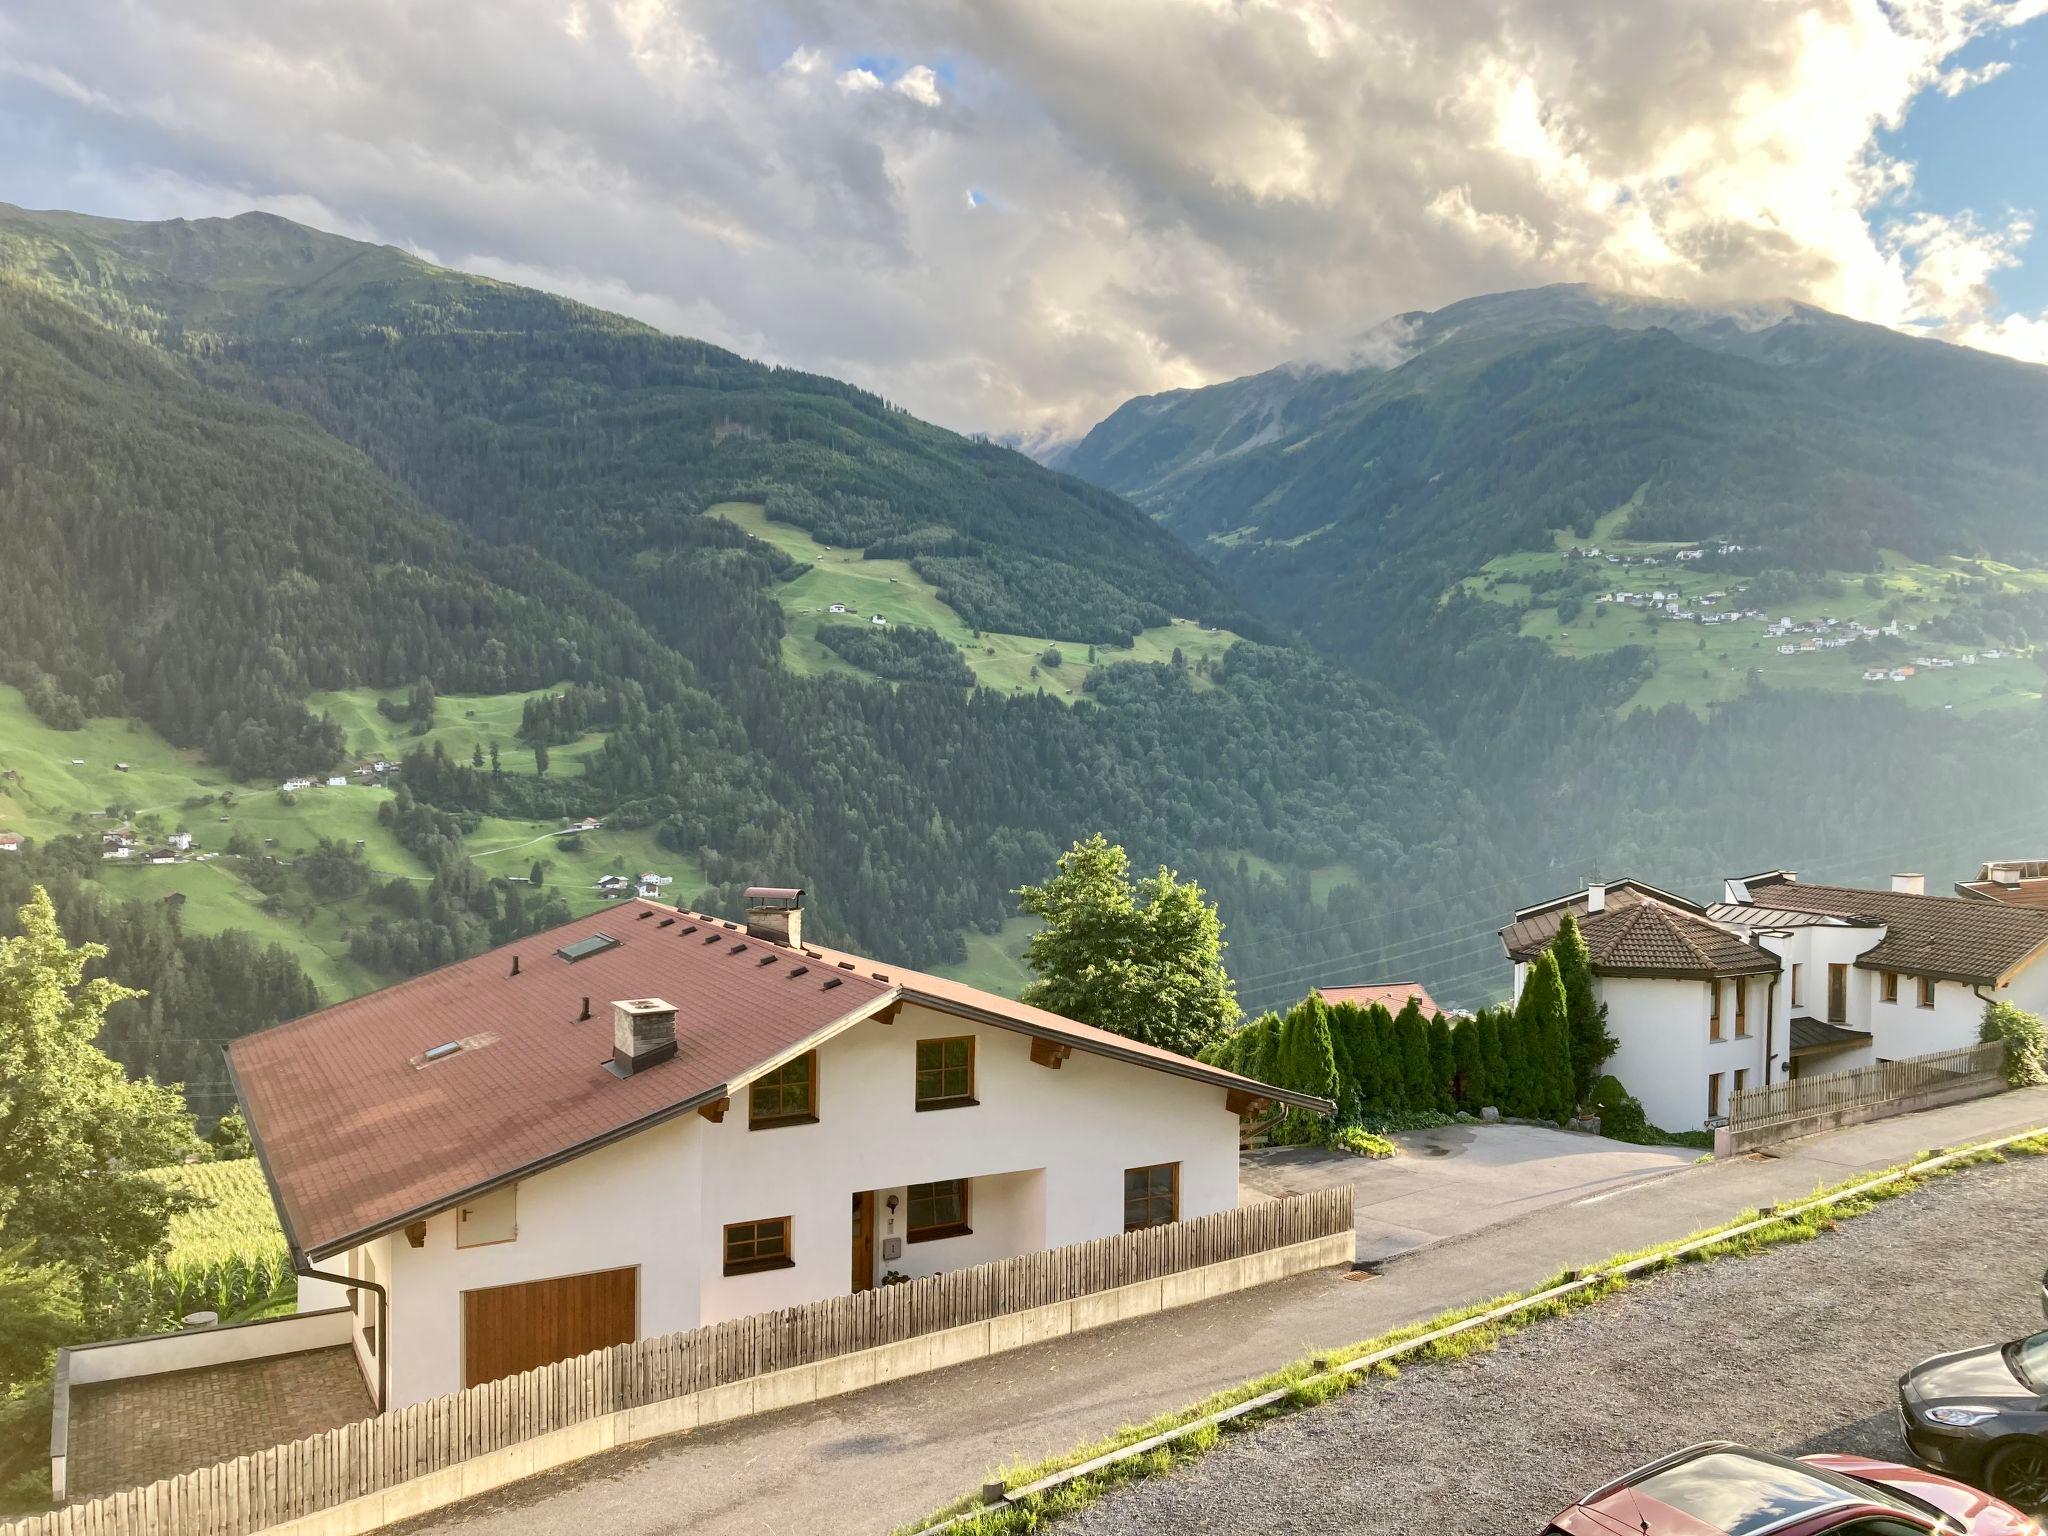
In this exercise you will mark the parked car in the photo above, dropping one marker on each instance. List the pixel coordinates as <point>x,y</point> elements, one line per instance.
<point>1982,1415</point>
<point>1724,1489</point>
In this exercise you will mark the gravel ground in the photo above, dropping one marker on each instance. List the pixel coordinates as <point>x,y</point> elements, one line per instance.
<point>1797,1350</point>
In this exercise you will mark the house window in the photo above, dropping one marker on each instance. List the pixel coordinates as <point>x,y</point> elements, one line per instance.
<point>756,1245</point>
<point>1796,968</point>
<point>1742,1007</point>
<point>1714,1010</point>
<point>786,1096</point>
<point>938,1210</point>
<point>491,1218</point>
<point>1838,994</point>
<point>1151,1196</point>
<point>1713,1095</point>
<point>1888,985</point>
<point>945,1073</point>
<point>1926,991</point>
<point>1741,1078</point>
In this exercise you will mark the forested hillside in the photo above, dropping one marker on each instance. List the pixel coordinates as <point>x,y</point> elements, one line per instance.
<point>1453,512</point>
<point>257,472</point>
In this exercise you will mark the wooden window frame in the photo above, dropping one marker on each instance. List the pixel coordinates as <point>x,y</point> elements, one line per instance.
<point>1888,986</point>
<point>1713,1095</point>
<point>1796,969</point>
<point>756,1263</point>
<point>1714,1011</point>
<point>1838,969</point>
<point>757,1121</point>
<point>1742,1007</point>
<point>1925,993</point>
<point>1741,1082</point>
<point>1173,1195</point>
<point>958,1227</point>
<point>944,1101</point>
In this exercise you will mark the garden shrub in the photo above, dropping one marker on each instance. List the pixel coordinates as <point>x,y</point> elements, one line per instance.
<point>2026,1042</point>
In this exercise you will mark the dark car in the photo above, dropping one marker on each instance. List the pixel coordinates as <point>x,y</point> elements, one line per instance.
<point>1982,1415</point>
<point>1723,1489</point>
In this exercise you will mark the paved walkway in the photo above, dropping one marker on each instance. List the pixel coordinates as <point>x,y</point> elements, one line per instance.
<point>1457,1179</point>
<point>874,1460</point>
<point>124,1434</point>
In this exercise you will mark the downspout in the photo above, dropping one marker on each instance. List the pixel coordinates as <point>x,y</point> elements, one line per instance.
<point>1770,1028</point>
<point>306,1271</point>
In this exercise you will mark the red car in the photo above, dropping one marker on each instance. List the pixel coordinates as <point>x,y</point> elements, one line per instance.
<point>1723,1489</point>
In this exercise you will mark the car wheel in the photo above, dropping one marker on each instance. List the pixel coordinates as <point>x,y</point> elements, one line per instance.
<point>2018,1472</point>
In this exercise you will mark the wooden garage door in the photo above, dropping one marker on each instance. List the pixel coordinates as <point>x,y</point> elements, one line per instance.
<point>513,1328</point>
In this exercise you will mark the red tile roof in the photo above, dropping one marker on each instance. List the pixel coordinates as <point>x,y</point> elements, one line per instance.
<point>360,1136</point>
<point>1390,995</point>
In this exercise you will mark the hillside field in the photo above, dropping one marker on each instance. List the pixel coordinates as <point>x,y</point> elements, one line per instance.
<point>1009,663</point>
<point>1698,664</point>
<point>43,793</point>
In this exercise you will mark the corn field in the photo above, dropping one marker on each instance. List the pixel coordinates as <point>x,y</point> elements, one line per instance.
<point>227,1256</point>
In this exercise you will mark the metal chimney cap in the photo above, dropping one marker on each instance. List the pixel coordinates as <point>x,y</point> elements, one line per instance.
<point>774,897</point>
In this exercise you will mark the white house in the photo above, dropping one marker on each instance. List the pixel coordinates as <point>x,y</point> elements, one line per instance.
<point>182,841</point>
<point>651,884</point>
<point>647,1119</point>
<point>1781,978</point>
<point>10,842</point>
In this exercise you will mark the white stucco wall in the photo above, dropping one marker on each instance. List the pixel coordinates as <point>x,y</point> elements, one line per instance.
<point>1664,1053</point>
<point>1046,1150</point>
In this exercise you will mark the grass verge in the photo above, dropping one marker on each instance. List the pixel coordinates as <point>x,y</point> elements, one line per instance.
<point>1139,1451</point>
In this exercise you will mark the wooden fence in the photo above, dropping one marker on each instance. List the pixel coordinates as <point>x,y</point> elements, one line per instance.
<point>270,1487</point>
<point>1757,1109</point>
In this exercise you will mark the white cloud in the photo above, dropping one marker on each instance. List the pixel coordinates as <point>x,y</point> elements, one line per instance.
<point>1187,189</point>
<point>920,84</point>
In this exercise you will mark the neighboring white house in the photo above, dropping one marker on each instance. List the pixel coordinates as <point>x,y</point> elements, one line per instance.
<point>10,842</point>
<point>648,1119</point>
<point>1782,978</point>
<point>182,841</point>
<point>651,885</point>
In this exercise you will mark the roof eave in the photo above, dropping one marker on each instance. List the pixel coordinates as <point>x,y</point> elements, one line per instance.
<point>1179,1066</point>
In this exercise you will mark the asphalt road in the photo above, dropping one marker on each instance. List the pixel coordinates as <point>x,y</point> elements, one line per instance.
<point>1797,1350</point>
<point>1457,1179</point>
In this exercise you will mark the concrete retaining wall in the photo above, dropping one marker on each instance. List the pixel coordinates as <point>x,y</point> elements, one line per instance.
<point>809,1383</point>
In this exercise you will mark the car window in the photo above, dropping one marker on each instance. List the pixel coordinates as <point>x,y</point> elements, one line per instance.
<point>1880,1527</point>
<point>2030,1362</point>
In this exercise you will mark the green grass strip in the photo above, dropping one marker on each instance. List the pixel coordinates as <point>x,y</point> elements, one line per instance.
<point>1062,1484</point>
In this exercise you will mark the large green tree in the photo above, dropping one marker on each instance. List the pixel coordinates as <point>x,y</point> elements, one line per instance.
<point>73,1125</point>
<point>1585,1018</point>
<point>1143,959</point>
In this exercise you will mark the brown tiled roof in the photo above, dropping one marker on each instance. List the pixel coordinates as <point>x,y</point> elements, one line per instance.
<point>1647,938</point>
<point>2023,893</point>
<point>1390,995</point>
<point>358,1136</point>
<point>1951,938</point>
<point>1641,931</point>
<point>1818,1036</point>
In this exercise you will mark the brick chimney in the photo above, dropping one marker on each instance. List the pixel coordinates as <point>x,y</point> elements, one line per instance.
<point>776,913</point>
<point>643,1034</point>
<point>1910,885</point>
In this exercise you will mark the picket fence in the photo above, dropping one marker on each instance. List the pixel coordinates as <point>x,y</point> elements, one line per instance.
<point>267,1488</point>
<point>1884,1082</point>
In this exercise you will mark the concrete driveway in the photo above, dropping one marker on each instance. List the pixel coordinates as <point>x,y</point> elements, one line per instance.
<point>1457,1179</point>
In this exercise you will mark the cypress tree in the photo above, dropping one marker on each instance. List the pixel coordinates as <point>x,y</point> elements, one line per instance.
<point>1417,1075</point>
<point>1390,1092</point>
<point>1547,1040</point>
<point>1468,1056</point>
<point>1517,1034</point>
<point>1443,1064</point>
<point>1354,1053</point>
<point>1585,1019</point>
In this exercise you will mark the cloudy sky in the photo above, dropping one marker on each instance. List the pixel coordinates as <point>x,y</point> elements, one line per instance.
<point>1010,215</point>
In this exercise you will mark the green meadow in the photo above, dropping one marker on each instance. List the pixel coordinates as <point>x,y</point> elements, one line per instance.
<point>891,588</point>
<point>1696,665</point>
